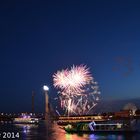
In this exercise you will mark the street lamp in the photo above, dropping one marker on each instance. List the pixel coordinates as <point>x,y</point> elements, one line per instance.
<point>46,89</point>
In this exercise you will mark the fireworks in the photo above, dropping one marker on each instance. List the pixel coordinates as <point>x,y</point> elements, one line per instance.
<point>72,80</point>
<point>78,91</point>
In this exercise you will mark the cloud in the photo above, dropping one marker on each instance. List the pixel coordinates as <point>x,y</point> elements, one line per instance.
<point>123,65</point>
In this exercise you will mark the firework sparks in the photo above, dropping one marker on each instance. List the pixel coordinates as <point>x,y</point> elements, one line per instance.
<point>72,80</point>
<point>74,95</point>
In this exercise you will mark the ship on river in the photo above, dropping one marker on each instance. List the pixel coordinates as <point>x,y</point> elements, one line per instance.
<point>96,125</point>
<point>26,119</point>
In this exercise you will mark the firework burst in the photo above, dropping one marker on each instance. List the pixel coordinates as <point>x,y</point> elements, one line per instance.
<point>72,80</point>
<point>78,92</point>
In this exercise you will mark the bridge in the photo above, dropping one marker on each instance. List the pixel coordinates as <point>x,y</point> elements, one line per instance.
<point>77,119</point>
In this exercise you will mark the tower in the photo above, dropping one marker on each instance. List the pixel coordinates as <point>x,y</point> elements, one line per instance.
<point>46,89</point>
<point>46,105</point>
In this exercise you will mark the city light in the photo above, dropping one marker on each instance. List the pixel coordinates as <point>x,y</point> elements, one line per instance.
<point>45,88</point>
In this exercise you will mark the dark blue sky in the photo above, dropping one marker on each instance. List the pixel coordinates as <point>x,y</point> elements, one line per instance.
<point>37,38</point>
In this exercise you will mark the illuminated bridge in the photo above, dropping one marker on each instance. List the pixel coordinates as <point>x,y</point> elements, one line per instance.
<point>77,119</point>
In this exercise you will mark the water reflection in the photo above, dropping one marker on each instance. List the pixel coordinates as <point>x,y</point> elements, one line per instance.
<point>26,128</point>
<point>27,131</point>
<point>43,132</point>
<point>92,137</point>
<point>60,134</point>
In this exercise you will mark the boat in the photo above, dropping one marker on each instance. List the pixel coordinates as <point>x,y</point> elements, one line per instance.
<point>26,119</point>
<point>101,127</point>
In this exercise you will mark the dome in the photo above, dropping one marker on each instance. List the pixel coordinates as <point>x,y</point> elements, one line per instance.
<point>130,106</point>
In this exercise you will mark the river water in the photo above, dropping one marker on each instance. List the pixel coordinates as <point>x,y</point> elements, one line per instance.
<point>43,132</point>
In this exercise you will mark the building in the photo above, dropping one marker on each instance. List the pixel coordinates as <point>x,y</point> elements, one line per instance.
<point>123,113</point>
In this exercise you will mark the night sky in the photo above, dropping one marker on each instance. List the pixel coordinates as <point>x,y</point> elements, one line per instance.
<point>37,38</point>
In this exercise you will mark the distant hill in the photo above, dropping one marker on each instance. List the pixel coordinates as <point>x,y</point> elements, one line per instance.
<point>114,105</point>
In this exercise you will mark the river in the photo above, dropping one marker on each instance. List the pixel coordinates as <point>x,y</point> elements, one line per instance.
<point>40,132</point>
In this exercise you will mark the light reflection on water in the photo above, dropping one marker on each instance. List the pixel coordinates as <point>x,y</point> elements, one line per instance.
<point>26,128</point>
<point>40,132</point>
<point>60,134</point>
